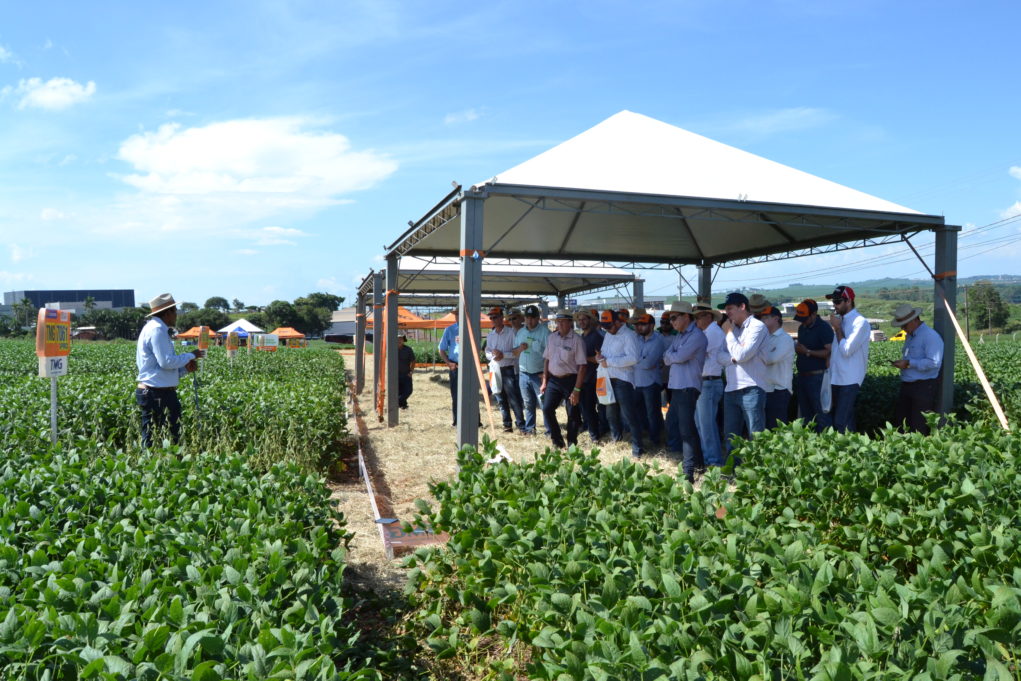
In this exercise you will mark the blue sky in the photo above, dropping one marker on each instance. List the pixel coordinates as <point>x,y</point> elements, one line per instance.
<point>263,150</point>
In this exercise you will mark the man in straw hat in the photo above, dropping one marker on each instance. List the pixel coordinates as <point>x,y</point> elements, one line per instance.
<point>707,407</point>
<point>919,367</point>
<point>160,370</point>
<point>685,356</point>
<point>500,349</point>
<point>815,340</point>
<point>849,356</point>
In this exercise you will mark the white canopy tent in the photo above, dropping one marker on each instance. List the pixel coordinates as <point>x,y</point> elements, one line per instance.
<point>241,325</point>
<point>633,190</point>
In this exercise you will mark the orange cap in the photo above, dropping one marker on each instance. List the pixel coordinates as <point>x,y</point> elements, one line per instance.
<point>606,317</point>
<point>643,319</point>
<point>496,312</point>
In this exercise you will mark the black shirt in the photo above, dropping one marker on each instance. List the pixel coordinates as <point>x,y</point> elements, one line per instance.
<point>405,358</point>
<point>816,337</point>
<point>593,343</point>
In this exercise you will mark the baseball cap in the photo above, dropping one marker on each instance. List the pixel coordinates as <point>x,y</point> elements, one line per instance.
<point>734,299</point>
<point>769,310</point>
<point>842,292</point>
<point>532,311</point>
<point>513,312</point>
<point>623,314</point>
<point>665,317</point>
<point>804,308</point>
<point>496,312</point>
<point>643,319</point>
<point>606,317</point>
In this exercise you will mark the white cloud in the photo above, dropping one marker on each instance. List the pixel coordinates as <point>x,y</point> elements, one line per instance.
<point>246,251</point>
<point>276,156</point>
<point>331,285</point>
<point>18,253</point>
<point>276,236</point>
<point>1012,211</point>
<point>67,160</point>
<point>1015,171</point>
<point>54,94</point>
<point>466,116</point>
<point>783,120</point>
<point>51,214</point>
<point>6,56</point>
<point>48,45</point>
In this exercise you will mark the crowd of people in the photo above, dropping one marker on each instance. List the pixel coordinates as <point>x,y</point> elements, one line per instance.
<point>615,373</point>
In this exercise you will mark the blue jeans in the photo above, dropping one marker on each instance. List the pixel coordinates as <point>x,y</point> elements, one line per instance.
<point>844,397</point>
<point>706,408</point>
<point>510,398</point>
<point>809,403</point>
<point>744,411</point>
<point>682,434</point>
<point>529,386</point>
<point>648,397</point>
<point>623,412</point>
<point>778,405</point>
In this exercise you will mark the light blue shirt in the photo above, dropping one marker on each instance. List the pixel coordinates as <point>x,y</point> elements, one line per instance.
<point>923,350</point>
<point>531,359</point>
<point>685,357</point>
<point>451,344</point>
<point>158,366</point>
<point>649,370</point>
<point>621,351</point>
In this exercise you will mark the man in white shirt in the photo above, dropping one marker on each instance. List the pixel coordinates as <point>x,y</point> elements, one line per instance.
<point>500,348</point>
<point>849,357</point>
<point>778,354</point>
<point>708,404</point>
<point>160,370</point>
<point>618,356</point>
<point>744,400</point>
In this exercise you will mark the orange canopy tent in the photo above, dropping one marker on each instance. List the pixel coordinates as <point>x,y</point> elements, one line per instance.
<point>286,332</point>
<point>445,321</point>
<point>405,319</point>
<point>193,333</point>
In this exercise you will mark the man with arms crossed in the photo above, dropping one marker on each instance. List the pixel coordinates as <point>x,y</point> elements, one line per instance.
<point>744,400</point>
<point>849,356</point>
<point>708,404</point>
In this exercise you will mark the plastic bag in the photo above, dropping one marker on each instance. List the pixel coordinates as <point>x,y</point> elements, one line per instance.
<point>826,393</point>
<point>495,377</point>
<point>604,389</point>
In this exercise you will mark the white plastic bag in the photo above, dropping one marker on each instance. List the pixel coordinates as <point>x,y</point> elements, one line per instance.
<point>495,377</point>
<point>826,393</point>
<point>604,388</point>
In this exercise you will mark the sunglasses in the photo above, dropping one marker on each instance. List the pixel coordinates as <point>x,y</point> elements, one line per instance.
<point>838,300</point>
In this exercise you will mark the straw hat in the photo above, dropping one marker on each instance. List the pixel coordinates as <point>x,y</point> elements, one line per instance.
<point>758,303</point>
<point>904,314</point>
<point>683,306</point>
<point>163,301</point>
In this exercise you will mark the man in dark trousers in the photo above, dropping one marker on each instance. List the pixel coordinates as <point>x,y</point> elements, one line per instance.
<point>405,366</point>
<point>815,338</point>
<point>160,370</point>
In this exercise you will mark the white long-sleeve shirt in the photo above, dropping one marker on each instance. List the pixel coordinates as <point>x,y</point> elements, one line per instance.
<point>849,357</point>
<point>504,342</point>
<point>778,354</point>
<point>744,343</point>
<point>716,356</point>
<point>621,351</point>
<point>158,365</point>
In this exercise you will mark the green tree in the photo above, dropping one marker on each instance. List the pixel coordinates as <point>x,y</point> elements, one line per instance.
<point>90,304</point>
<point>280,313</point>
<point>212,317</point>
<point>238,305</point>
<point>312,321</point>
<point>124,323</point>
<point>986,306</point>
<point>325,300</point>
<point>218,303</point>
<point>186,307</point>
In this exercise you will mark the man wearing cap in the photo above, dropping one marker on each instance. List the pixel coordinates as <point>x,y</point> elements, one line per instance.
<point>707,407</point>
<point>744,398</point>
<point>450,353</point>
<point>685,357</point>
<point>529,348</point>
<point>500,349</point>
<point>849,356</point>
<point>778,354</point>
<point>649,377</point>
<point>405,367</point>
<point>815,339</point>
<point>160,370</point>
<point>565,366</point>
<point>919,366</point>
<point>618,357</point>
<point>592,338</point>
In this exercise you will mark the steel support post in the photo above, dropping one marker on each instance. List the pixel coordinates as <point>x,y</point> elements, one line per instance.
<point>544,309</point>
<point>705,285</point>
<point>561,303</point>
<point>946,277</point>
<point>377,329</point>
<point>469,306</point>
<point>391,341</point>
<point>359,344</point>
<point>638,293</point>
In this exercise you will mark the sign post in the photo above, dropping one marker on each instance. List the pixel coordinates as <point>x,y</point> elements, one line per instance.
<point>232,344</point>
<point>52,346</point>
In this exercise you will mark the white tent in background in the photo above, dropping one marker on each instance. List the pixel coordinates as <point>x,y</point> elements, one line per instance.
<point>243,327</point>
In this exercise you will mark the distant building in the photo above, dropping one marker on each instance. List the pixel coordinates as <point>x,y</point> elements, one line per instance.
<point>6,311</point>
<point>115,299</point>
